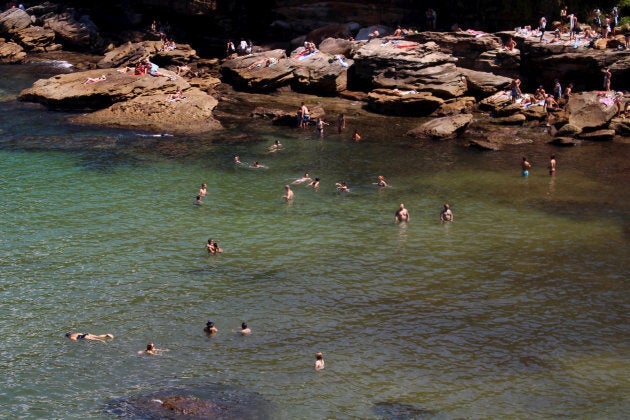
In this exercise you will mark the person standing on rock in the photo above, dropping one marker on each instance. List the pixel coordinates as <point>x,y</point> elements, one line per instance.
<point>541,27</point>
<point>515,86</point>
<point>607,77</point>
<point>557,90</point>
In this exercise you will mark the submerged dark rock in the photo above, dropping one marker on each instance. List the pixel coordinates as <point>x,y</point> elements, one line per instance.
<point>204,402</point>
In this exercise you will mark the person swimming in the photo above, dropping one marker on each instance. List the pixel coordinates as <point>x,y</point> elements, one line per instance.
<point>381,181</point>
<point>319,361</point>
<point>305,178</point>
<point>210,328</point>
<point>245,330</point>
<point>342,187</point>
<point>88,336</point>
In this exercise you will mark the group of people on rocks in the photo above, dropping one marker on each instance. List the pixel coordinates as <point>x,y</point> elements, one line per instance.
<point>603,25</point>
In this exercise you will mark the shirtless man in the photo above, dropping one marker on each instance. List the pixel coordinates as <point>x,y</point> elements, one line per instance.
<point>552,165</point>
<point>88,336</point>
<point>446,215</point>
<point>244,329</point>
<point>203,190</point>
<point>402,215</point>
<point>515,86</point>
<point>237,160</point>
<point>210,329</point>
<point>525,167</point>
<point>356,136</point>
<point>319,361</point>
<point>289,193</point>
<point>305,115</point>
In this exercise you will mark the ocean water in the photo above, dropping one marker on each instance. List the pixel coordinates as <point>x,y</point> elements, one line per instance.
<point>518,309</point>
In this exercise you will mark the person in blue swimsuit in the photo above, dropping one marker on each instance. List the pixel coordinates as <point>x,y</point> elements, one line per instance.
<point>525,166</point>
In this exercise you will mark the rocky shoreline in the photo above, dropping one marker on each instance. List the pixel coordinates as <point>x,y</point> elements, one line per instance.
<point>447,76</point>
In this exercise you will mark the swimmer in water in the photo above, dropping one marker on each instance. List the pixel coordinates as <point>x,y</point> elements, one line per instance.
<point>381,181</point>
<point>245,329</point>
<point>88,336</point>
<point>314,183</point>
<point>237,160</point>
<point>341,186</point>
<point>319,361</point>
<point>288,194</point>
<point>275,146</point>
<point>202,190</point>
<point>210,329</point>
<point>197,201</point>
<point>305,178</point>
<point>525,166</point>
<point>402,214</point>
<point>446,215</point>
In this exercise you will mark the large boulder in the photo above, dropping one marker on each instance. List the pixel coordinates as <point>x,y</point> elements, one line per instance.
<point>250,72</point>
<point>74,32</point>
<point>191,115</point>
<point>407,65</point>
<point>334,46</point>
<point>321,74</point>
<point>13,20</point>
<point>129,54</point>
<point>442,128</point>
<point>11,53</point>
<point>598,135</point>
<point>69,92</point>
<point>397,102</point>
<point>482,84</point>
<point>588,110</point>
<point>467,46</point>
<point>35,38</point>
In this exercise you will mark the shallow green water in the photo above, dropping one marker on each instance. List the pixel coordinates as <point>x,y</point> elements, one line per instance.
<point>518,309</point>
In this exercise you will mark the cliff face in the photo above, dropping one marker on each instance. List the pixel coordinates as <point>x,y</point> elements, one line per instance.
<point>253,18</point>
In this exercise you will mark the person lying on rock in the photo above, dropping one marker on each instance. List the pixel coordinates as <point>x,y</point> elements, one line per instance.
<point>91,80</point>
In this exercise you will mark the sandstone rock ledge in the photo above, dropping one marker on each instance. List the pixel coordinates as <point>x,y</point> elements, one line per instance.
<point>123,100</point>
<point>189,116</point>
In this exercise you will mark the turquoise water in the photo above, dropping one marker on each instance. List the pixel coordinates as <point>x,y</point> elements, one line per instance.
<point>518,309</point>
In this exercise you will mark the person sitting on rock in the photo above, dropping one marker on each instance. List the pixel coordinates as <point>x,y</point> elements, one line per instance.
<point>510,44</point>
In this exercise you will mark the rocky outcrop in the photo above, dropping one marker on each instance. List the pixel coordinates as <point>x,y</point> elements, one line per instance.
<point>310,73</point>
<point>11,53</point>
<point>69,91</point>
<point>442,128</point>
<point>408,65</point>
<point>13,20</point>
<point>253,72</point>
<point>129,54</point>
<point>468,47</point>
<point>190,115</point>
<point>36,39</point>
<point>74,32</point>
<point>321,74</point>
<point>586,111</point>
<point>397,102</point>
